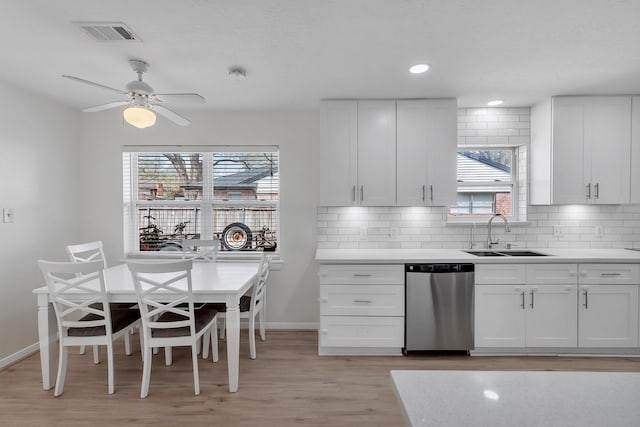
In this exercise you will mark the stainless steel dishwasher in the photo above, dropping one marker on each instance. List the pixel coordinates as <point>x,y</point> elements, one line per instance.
<point>439,307</point>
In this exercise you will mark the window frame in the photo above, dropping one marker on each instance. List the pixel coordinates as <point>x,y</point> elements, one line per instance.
<point>206,204</point>
<point>514,182</point>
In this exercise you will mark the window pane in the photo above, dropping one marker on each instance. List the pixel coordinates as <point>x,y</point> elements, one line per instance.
<point>484,165</point>
<point>161,227</point>
<point>245,227</point>
<point>245,176</point>
<point>169,176</point>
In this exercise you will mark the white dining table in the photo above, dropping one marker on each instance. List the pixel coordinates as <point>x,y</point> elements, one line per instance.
<point>223,282</point>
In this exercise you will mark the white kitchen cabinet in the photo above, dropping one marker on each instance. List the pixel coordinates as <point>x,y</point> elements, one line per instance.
<point>580,150</point>
<point>338,153</point>
<point>608,305</point>
<point>426,152</point>
<point>537,309</point>
<point>635,150</point>
<point>358,153</point>
<point>361,309</point>
<point>376,153</point>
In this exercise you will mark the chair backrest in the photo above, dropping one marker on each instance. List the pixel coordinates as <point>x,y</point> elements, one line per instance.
<point>74,289</point>
<point>87,252</point>
<point>163,288</point>
<point>257,295</point>
<point>200,249</point>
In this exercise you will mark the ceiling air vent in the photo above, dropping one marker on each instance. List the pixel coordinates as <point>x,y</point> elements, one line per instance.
<point>108,31</point>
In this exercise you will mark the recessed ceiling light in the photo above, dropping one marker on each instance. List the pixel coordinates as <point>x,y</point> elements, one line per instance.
<point>419,68</point>
<point>494,102</point>
<point>237,73</point>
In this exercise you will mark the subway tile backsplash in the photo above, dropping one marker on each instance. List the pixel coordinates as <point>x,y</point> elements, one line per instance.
<point>426,227</point>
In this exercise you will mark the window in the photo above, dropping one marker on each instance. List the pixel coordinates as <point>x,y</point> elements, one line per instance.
<point>487,183</point>
<point>228,195</point>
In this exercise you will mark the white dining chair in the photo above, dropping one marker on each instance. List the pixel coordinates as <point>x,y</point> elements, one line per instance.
<point>93,251</point>
<point>251,306</point>
<point>79,298</point>
<point>165,297</point>
<point>200,249</point>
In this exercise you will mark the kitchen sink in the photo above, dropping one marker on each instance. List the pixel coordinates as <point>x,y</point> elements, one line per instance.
<point>506,252</point>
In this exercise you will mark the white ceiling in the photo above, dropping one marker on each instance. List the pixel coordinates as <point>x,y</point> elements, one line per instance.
<point>297,52</point>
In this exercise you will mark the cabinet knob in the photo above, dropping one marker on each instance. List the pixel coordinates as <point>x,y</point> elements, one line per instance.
<point>324,300</point>
<point>323,331</point>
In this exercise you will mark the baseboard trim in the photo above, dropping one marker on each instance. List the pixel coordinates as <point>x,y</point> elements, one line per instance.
<point>18,356</point>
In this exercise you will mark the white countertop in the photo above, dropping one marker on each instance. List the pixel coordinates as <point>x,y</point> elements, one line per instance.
<point>402,256</point>
<point>486,398</point>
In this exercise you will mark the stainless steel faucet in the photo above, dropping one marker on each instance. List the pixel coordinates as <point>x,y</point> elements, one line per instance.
<point>490,241</point>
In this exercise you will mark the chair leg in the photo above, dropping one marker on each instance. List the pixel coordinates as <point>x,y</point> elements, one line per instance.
<point>214,341</point>
<point>262,325</point>
<point>168,356</point>
<point>62,371</point>
<point>205,344</point>
<point>141,345</point>
<point>196,379</point>
<point>223,327</point>
<point>146,373</point>
<point>96,354</point>
<point>110,367</point>
<point>127,342</point>
<point>252,336</point>
<point>83,349</point>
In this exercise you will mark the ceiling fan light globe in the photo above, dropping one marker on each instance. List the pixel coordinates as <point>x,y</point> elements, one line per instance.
<point>139,117</point>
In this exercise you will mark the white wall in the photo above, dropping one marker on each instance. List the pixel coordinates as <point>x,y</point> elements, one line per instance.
<point>39,180</point>
<point>292,291</point>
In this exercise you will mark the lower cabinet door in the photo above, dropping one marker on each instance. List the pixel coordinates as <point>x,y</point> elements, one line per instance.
<point>354,331</point>
<point>499,316</point>
<point>608,316</point>
<point>552,315</point>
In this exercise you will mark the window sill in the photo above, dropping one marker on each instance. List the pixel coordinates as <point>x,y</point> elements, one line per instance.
<point>482,222</point>
<point>276,262</point>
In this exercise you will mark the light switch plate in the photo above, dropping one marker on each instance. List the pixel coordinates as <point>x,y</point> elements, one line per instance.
<point>7,215</point>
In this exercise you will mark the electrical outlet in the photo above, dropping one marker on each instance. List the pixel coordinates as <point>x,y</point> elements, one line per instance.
<point>7,215</point>
<point>393,233</point>
<point>599,231</point>
<point>557,231</point>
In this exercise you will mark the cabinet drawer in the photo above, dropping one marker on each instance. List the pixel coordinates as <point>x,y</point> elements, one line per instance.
<point>617,274</point>
<point>371,274</point>
<point>343,331</point>
<point>500,274</point>
<point>362,300</point>
<point>540,274</point>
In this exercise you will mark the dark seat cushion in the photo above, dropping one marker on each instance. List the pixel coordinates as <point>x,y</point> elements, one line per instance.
<point>245,305</point>
<point>113,305</point>
<point>120,319</point>
<point>202,318</point>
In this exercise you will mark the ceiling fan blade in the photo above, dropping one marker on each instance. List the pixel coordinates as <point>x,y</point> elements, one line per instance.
<point>105,106</point>
<point>180,97</point>
<point>171,115</point>
<point>78,79</point>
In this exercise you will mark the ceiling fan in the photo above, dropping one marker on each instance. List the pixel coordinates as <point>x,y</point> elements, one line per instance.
<point>142,100</point>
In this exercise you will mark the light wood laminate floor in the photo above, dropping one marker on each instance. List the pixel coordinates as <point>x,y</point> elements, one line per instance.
<point>287,385</point>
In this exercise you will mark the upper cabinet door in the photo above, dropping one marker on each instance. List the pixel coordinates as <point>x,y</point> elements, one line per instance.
<point>338,153</point>
<point>608,148</point>
<point>635,150</point>
<point>426,150</point>
<point>376,153</point>
<point>568,181</point>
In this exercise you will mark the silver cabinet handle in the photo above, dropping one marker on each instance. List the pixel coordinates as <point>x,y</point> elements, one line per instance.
<point>362,193</point>
<point>363,301</point>
<point>610,274</point>
<point>424,192</point>
<point>531,299</point>
<point>431,193</point>
<point>588,191</point>
<point>597,190</point>
<point>586,299</point>
<point>354,193</point>
<point>522,305</point>
<point>361,275</point>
